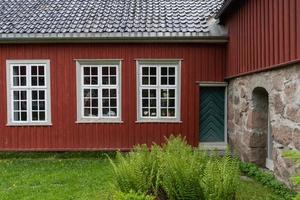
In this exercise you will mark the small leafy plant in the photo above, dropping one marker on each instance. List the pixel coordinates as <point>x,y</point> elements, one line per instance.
<point>266,179</point>
<point>295,155</point>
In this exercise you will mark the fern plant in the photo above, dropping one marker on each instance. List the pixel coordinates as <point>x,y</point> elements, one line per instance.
<point>175,171</point>
<point>221,178</point>
<point>181,169</point>
<point>137,171</point>
<point>131,196</point>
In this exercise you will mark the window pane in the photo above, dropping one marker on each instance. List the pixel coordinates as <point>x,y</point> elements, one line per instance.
<point>94,93</point>
<point>16,70</point>
<point>42,105</point>
<point>113,71</point>
<point>153,112</point>
<point>145,80</point>
<point>171,112</point>
<point>34,105</point>
<point>23,81</point>
<point>144,93</point>
<point>153,71</point>
<point>33,70</point>
<point>41,94</point>
<point>95,80</point>
<point>105,93</point>
<point>16,105</point>
<point>145,103</point>
<point>35,116</point>
<point>17,116</point>
<point>16,81</point>
<point>172,103</point>
<point>113,103</point>
<point>152,93</point>
<point>87,80</point>
<point>164,80</point>
<point>164,71</point>
<point>152,80</point>
<point>172,93</point>
<point>23,105</point>
<point>87,112</point>
<point>105,103</point>
<point>145,112</point>
<point>164,102</point>
<point>86,71</point>
<point>95,112</point>
<point>94,71</point>
<point>105,111</point>
<point>16,95</point>
<point>104,70</point>
<point>171,71</point>
<point>41,81</point>
<point>113,93</point>
<point>34,81</point>
<point>95,103</point>
<point>145,71</point>
<point>113,112</point>
<point>113,80</point>
<point>23,95</point>
<point>42,116</point>
<point>164,112</point>
<point>23,70</point>
<point>23,116</point>
<point>172,81</point>
<point>105,80</point>
<point>86,93</point>
<point>41,70</point>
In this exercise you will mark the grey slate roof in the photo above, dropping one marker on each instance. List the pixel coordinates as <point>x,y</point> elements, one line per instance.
<point>108,18</point>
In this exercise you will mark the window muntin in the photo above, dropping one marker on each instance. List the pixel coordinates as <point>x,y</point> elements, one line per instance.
<point>28,89</point>
<point>158,92</point>
<point>100,92</point>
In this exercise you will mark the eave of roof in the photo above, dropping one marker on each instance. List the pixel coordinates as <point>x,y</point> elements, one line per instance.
<point>217,34</point>
<point>227,5</point>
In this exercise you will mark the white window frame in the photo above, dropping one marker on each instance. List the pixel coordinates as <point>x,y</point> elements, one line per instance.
<point>80,64</point>
<point>159,63</point>
<point>28,88</point>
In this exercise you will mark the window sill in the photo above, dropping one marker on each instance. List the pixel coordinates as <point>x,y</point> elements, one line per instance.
<point>158,121</point>
<point>99,122</point>
<point>31,124</point>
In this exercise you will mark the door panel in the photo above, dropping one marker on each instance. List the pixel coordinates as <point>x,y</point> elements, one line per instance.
<point>212,114</point>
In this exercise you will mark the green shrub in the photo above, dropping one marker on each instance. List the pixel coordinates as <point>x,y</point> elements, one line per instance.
<point>176,171</point>
<point>221,178</point>
<point>267,179</point>
<point>295,155</point>
<point>131,196</point>
<point>137,171</point>
<point>181,170</point>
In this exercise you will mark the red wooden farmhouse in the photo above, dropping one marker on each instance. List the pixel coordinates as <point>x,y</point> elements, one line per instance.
<point>82,75</point>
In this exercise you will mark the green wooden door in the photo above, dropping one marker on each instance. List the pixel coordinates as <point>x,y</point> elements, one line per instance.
<point>212,114</point>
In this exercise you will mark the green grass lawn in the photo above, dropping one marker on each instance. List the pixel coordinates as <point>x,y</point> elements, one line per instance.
<point>68,176</point>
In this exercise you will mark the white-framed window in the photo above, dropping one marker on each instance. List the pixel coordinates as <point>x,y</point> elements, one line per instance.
<point>158,85</point>
<point>28,92</point>
<point>98,91</point>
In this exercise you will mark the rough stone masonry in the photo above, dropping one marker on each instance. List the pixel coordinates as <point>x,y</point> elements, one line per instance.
<point>253,101</point>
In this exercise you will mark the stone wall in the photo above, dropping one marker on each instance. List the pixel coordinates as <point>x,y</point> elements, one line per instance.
<point>247,117</point>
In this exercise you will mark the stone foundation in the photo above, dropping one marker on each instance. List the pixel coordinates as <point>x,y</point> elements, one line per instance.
<point>250,99</point>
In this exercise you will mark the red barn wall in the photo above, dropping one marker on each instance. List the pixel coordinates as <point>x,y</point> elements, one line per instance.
<point>201,62</point>
<point>263,35</point>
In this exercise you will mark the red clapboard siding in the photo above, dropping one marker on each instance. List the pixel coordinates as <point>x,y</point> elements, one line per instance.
<point>201,62</point>
<point>262,35</point>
